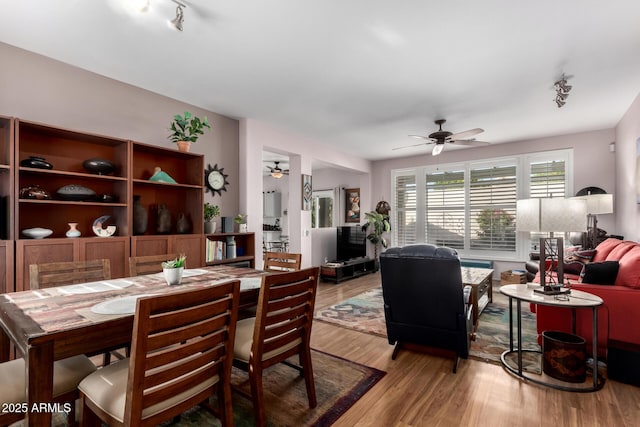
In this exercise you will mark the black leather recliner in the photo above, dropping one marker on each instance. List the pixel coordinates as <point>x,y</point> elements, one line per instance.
<point>424,300</point>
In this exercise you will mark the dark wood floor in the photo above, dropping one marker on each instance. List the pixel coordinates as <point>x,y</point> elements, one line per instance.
<point>421,390</point>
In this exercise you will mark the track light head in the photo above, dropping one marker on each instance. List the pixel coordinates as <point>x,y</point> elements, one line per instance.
<point>179,19</point>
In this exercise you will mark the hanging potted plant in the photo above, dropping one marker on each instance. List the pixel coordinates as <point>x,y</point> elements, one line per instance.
<point>173,270</point>
<point>187,129</point>
<point>210,213</point>
<point>377,224</point>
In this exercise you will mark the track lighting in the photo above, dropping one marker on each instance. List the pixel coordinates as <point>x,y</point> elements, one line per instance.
<point>179,19</point>
<point>562,91</point>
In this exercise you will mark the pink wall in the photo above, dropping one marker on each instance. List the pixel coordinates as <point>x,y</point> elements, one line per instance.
<point>627,207</point>
<point>40,89</point>
<point>594,165</point>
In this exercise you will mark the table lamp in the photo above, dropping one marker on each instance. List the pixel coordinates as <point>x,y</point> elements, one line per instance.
<point>596,204</point>
<point>551,215</point>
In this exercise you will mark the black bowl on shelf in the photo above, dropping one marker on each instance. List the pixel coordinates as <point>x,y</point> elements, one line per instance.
<point>99,166</point>
<point>107,198</point>
<point>36,162</point>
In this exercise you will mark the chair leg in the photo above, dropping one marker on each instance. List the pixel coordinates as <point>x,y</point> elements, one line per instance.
<point>106,358</point>
<point>455,363</point>
<point>396,349</point>
<point>225,406</point>
<point>305,361</point>
<point>257,396</point>
<point>87,417</point>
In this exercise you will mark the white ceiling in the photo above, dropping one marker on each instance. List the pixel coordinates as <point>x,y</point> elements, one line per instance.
<point>360,74</point>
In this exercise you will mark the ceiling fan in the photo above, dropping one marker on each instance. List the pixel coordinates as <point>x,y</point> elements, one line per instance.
<point>276,171</point>
<point>440,137</point>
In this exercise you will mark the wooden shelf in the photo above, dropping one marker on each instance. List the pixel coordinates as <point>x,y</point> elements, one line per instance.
<point>72,202</point>
<point>88,176</point>
<point>166,184</point>
<point>233,260</point>
<point>245,244</point>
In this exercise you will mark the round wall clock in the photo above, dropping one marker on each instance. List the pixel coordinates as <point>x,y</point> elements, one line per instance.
<point>215,179</point>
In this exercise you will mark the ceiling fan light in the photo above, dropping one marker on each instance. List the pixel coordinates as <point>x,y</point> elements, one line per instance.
<point>277,174</point>
<point>179,19</point>
<point>560,102</point>
<point>437,149</point>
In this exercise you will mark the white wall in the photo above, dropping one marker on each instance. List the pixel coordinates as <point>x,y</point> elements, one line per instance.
<point>626,202</point>
<point>39,89</point>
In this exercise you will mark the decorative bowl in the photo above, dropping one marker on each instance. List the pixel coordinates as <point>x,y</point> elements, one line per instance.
<point>34,192</point>
<point>37,233</point>
<point>99,166</point>
<point>75,192</point>
<point>99,230</point>
<point>36,162</point>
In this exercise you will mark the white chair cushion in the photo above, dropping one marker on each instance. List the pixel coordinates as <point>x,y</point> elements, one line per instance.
<point>244,340</point>
<point>107,389</point>
<point>67,374</point>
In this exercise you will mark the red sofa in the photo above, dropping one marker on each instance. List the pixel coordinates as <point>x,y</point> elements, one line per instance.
<point>619,316</point>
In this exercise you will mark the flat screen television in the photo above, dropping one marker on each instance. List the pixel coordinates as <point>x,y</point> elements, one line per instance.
<point>351,243</point>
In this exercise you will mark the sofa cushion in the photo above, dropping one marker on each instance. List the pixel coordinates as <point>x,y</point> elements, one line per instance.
<point>619,251</point>
<point>600,273</point>
<point>604,248</point>
<point>629,274</point>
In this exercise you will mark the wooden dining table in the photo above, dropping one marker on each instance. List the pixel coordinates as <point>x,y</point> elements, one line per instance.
<point>90,318</point>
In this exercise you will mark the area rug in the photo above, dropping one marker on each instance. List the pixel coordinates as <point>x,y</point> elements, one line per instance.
<point>339,384</point>
<point>365,313</point>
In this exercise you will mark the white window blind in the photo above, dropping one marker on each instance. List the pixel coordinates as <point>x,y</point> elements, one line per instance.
<point>492,208</point>
<point>405,209</point>
<point>471,206</point>
<point>445,213</point>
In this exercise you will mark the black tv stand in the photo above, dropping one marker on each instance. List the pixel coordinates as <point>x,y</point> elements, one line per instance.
<point>339,271</point>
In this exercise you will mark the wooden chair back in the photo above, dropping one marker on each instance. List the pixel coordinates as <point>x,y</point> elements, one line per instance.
<point>282,261</point>
<point>66,273</point>
<point>182,346</point>
<point>139,265</point>
<point>282,329</point>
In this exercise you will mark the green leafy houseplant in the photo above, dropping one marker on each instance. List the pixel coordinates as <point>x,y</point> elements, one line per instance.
<point>240,219</point>
<point>376,225</point>
<point>211,211</point>
<point>175,263</point>
<point>187,127</point>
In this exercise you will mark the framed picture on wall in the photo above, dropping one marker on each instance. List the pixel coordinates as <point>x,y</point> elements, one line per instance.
<point>352,205</point>
<point>306,192</point>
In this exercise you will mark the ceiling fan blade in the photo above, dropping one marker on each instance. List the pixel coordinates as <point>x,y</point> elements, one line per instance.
<point>465,134</point>
<point>414,145</point>
<point>419,136</point>
<point>469,142</point>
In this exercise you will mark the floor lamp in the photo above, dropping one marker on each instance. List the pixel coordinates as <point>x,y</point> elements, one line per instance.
<point>549,216</point>
<point>596,204</point>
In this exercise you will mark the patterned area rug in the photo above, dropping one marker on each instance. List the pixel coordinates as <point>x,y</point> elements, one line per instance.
<point>339,384</point>
<point>365,313</point>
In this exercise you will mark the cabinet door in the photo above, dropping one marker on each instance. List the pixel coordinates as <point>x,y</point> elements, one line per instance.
<point>6,266</point>
<point>150,245</point>
<point>192,245</point>
<point>39,252</point>
<point>115,249</point>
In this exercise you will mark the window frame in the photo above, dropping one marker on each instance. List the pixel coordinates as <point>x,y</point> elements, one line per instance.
<point>522,163</point>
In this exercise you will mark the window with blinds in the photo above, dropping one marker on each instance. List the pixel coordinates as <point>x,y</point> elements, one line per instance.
<point>492,208</point>
<point>472,206</point>
<point>405,210</point>
<point>445,213</point>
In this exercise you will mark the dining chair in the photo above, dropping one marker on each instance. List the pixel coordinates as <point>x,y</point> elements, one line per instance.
<point>67,374</point>
<point>280,330</point>
<point>67,273</point>
<point>282,261</point>
<point>139,265</point>
<point>181,354</point>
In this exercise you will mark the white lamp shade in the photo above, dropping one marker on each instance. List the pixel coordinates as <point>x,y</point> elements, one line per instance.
<point>553,214</point>
<point>528,215</point>
<point>598,203</point>
<point>437,149</point>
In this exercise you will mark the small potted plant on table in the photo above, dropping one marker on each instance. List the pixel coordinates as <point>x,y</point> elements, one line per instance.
<point>173,270</point>
<point>241,220</point>
<point>210,213</point>
<point>186,130</point>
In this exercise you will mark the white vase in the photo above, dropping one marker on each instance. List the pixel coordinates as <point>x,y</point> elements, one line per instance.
<point>73,230</point>
<point>209,227</point>
<point>243,228</point>
<point>173,276</point>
